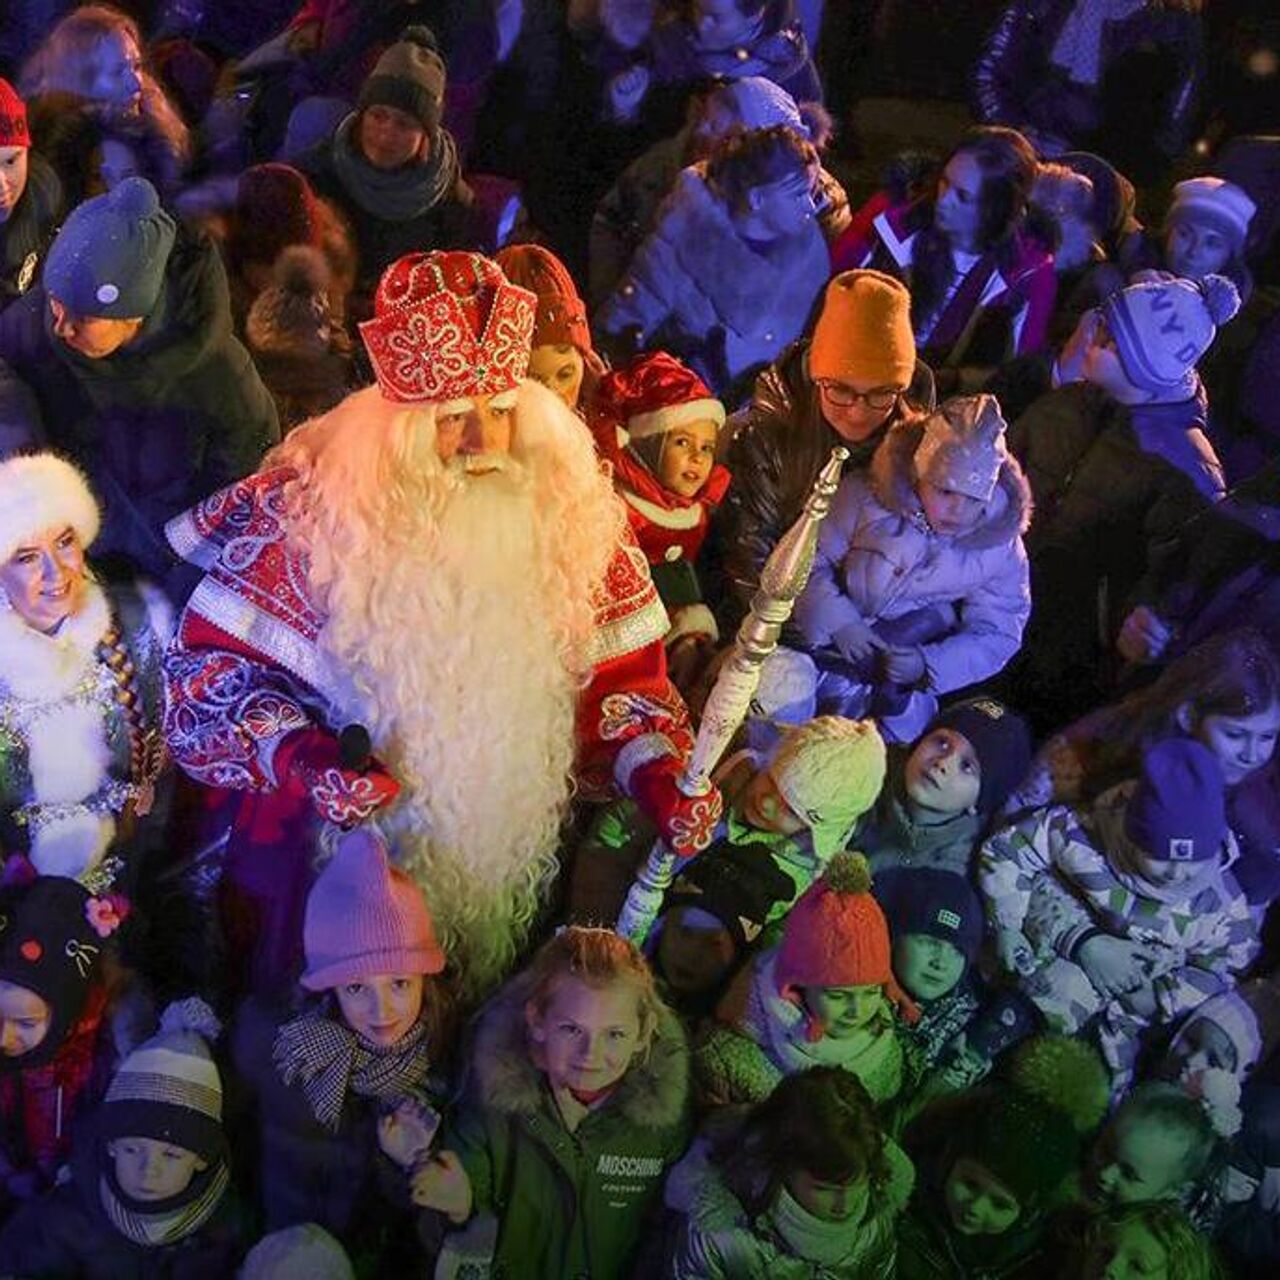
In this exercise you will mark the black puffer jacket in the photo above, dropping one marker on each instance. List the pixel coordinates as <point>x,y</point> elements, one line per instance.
<point>168,419</point>
<point>26,236</point>
<point>776,447</point>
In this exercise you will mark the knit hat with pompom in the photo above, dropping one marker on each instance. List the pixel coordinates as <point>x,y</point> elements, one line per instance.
<point>837,936</point>
<point>830,772</point>
<point>303,1252</point>
<point>1029,1130</point>
<point>168,1088</point>
<point>291,316</point>
<point>1163,324</point>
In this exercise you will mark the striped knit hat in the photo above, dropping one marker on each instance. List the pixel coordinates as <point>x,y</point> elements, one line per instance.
<point>168,1089</point>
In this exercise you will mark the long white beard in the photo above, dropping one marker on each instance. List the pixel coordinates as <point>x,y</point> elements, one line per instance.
<point>456,674</point>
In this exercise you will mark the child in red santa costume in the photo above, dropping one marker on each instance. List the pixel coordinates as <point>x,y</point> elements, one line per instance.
<point>441,560</point>
<point>656,422</point>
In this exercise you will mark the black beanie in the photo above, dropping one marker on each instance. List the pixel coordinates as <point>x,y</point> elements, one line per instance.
<point>1000,739</point>
<point>48,946</point>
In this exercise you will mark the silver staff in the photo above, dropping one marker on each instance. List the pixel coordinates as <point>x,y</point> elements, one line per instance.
<point>781,581</point>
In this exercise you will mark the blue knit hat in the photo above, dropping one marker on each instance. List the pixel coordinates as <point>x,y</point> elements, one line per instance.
<point>110,256</point>
<point>1178,810</point>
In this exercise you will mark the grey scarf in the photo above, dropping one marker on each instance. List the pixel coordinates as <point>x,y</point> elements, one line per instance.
<point>395,195</point>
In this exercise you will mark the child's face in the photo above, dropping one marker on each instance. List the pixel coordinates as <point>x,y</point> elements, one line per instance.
<point>695,950</point>
<point>150,1170</point>
<point>383,1008</point>
<point>926,966</point>
<point>13,179</point>
<point>1135,1160</point>
<point>1162,873</point>
<point>116,80</point>
<point>1242,744</point>
<point>978,1203</point>
<point>942,773</point>
<point>845,1011</point>
<point>829,1201</point>
<point>24,1020</point>
<point>1195,249</point>
<point>688,454</point>
<point>765,808</point>
<point>720,24</point>
<point>559,367</point>
<point>1127,1252</point>
<point>948,511</point>
<point>1101,364</point>
<point>585,1036</point>
<point>1201,1046</point>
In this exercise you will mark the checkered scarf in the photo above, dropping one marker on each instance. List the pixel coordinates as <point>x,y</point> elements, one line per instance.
<point>329,1060</point>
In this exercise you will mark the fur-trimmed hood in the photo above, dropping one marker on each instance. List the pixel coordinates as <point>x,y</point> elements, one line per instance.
<point>654,1094</point>
<point>1006,516</point>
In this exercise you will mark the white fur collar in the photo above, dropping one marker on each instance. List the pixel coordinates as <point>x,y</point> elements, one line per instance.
<point>666,517</point>
<point>37,667</point>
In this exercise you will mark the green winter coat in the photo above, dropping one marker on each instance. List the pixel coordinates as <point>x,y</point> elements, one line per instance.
<point>569,1205</point>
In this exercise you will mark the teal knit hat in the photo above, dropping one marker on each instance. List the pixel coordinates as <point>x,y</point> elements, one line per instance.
<point>109,258</point>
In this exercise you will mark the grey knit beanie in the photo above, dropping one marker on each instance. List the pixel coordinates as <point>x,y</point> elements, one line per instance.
<point>410,76</point>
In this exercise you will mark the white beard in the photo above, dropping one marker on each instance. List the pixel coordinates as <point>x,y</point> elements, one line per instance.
<point>452,663</point>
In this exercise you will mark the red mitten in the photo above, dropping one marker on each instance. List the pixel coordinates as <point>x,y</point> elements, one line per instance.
<point>341,796</point>
<point>687,823</point>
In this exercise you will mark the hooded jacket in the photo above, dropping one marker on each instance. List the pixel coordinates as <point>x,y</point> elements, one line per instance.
<point>698,289</point>
<point>776,447</point>
<point>567,1204</point>
<point>719,1240</point>
<point>171,417</point>
<point>878,559</point>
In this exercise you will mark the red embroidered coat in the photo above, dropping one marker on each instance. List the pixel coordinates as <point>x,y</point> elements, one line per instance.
<point>244,671</point>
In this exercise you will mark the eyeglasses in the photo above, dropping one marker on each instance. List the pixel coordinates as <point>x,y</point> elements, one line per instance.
<point>845,396</point>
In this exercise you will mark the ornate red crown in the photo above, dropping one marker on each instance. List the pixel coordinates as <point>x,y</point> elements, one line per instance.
<point>448,325</point>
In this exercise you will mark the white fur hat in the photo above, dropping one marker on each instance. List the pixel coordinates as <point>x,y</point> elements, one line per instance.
<point>38,491</point>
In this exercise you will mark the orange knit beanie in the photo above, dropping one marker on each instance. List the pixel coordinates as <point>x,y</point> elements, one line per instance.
<point>864,332</point>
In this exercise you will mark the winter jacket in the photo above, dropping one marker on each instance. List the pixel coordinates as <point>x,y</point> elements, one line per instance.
<point>567,1204</point>
<point>760,1035</point>
<point>718,1239</point>
<point>629,209</point>
<point>174,415</point>
<point>26,235</point>
<point>1109,477</point>
<point>339,1180</point>
<point>448,224</point>
<point>698,289</point>
<point>776,447</point>
<point>1204,935</point>
<point>890,839</point>
<point>66,1235</point>
<point>65,740</point>
<point>877,559</point>
<point>1013,283</point>
<point>41,1105</point>
<point>1016,81</point>
<point>778,52</point>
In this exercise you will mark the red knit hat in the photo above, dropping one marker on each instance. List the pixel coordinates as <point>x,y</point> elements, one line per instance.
<point>275,208</point>
<point>655,393</point>
<point>837,936</point>
<point>562,315</point>
<point>13,117</point>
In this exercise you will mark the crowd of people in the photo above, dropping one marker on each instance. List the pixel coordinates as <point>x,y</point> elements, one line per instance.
<point>401,402</point>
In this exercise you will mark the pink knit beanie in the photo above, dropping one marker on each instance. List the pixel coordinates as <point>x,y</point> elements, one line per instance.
<point>365,917</point>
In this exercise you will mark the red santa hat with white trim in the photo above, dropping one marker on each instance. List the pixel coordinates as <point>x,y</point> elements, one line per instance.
<point>652,395</point>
